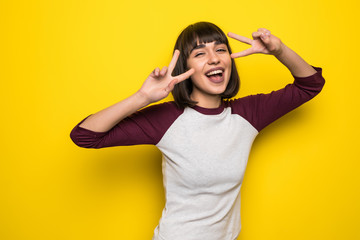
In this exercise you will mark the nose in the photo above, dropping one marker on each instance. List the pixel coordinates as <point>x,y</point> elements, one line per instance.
<point>213,58</point>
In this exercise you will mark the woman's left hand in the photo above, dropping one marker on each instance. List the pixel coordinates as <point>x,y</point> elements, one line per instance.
<point>263,42</point>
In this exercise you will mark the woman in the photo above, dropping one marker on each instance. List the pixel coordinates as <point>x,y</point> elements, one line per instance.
<point>204,137</point>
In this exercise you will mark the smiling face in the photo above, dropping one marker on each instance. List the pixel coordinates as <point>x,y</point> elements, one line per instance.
<point>204,47</point>
<point>212,65</point>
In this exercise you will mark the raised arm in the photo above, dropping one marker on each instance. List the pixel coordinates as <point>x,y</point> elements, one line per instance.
<point>262,109</point>
<point>264,42</point>
<point>157,86</point>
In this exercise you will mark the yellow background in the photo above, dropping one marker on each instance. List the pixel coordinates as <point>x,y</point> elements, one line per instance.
<point>63,60</point>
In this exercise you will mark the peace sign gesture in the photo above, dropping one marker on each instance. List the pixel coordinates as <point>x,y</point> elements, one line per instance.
<point>263,42</point>
<point>160,83</point>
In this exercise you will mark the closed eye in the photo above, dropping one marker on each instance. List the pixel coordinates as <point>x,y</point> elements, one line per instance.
<point>198,54</point>
<point>221,50</point>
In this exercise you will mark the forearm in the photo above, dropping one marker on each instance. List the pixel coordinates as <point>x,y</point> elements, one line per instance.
<point>297,66</point>
<point>107,118</point>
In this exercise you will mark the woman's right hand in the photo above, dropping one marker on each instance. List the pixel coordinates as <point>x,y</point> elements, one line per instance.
<point>160,83</point>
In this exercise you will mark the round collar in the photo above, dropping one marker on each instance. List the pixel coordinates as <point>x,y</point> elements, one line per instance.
<point>210,111</point>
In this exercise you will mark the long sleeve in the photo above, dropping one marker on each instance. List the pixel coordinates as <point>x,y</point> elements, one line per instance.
<point>146,126</point>
<point>262,109</point>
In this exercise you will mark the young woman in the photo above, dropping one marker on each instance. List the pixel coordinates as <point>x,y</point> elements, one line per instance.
<point>204,137</point>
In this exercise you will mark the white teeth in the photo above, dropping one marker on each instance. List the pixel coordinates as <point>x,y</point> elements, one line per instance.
<point>214,72</point>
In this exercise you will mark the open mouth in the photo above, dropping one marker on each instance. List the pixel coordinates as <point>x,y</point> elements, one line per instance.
<point>215,75</point>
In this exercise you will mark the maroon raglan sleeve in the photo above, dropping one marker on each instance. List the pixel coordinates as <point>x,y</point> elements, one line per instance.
<point>146,126</point>
<point>262,109</point>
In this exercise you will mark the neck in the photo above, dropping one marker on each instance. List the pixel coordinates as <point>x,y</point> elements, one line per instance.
<point>207,101</point>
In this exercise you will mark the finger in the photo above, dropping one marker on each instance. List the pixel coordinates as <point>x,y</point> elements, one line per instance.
<point>256,35</point>
<point>156,71</point>
<point>185,75</point>
<point>239,38</point>
<point>265,38</point>
<point>173,61</point>
<point>260,33</point>
<point>153,73</point>
<point>171,85</point>
<point>242,53</point>
<point>264,30</point>
<point>163,71</point>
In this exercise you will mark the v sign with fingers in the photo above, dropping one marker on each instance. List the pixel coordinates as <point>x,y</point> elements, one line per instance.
<point>160,83</point>
<point>263,42</point>
<point>157,86</point>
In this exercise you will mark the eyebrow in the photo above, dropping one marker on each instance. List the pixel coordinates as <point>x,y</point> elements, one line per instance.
<point>203,45</point>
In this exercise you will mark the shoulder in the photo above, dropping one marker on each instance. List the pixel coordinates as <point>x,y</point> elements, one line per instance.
<point>163,110</point>
<point>243,105</point>
<point>156,119</point>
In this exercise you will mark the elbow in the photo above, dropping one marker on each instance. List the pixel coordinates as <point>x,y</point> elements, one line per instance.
<point>319,86</point>
<point>84,140</point>
<point>314,89</point>
<point>313,84</point>
<point>323,83</point>
<point>78,140</point>
<point>319,81</point>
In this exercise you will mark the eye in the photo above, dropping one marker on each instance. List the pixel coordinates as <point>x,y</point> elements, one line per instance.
<point>221,50</point>
<point>198,54</point>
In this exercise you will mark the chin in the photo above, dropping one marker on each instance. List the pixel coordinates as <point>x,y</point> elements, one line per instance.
<point>217,91</point>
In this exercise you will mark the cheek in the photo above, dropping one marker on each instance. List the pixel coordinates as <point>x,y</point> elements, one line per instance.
<point>192,64</point>
<point>228,60</point>
<point>229,64</point>
<point>198,70</point>
<point>196,76</point>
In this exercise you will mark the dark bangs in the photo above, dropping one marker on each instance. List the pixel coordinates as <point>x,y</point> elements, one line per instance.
<point>189,38</point>
<point>202,32</point>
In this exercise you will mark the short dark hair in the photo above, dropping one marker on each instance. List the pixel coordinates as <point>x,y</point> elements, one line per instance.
<point>201,32</point>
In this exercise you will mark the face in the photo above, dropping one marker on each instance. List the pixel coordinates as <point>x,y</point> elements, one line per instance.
<point>212,65</point>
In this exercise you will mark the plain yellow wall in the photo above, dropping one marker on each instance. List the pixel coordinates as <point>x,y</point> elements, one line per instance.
<point>63,60</point>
